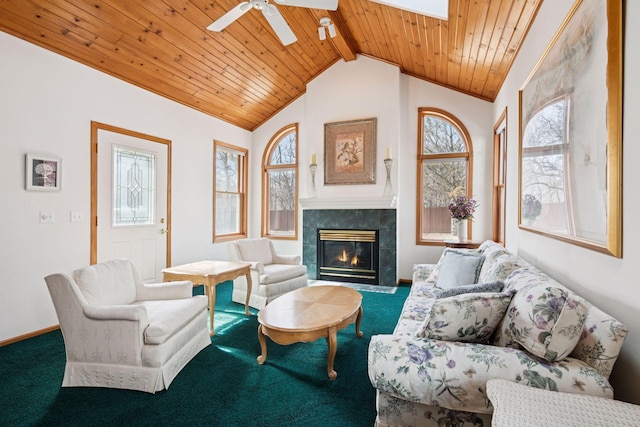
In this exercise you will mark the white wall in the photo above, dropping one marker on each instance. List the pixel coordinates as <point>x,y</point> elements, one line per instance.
<point>608,282</point>
<point>475,115</point>
<point>47,103</point>
<point>346,91</point>
<point>369,88</point>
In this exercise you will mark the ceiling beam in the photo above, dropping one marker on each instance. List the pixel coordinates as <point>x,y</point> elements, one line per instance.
<point>343,42</point>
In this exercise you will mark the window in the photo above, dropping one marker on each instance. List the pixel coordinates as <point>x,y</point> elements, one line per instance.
<point>499,178</point>
<point>280,185</point>
<point>444,171</point>
<point>545,170</point>
<point>230,198</point>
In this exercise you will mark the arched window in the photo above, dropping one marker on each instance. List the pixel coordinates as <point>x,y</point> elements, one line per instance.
<point>280,185</point>
<point>444,171</point>
<point>545,170</point>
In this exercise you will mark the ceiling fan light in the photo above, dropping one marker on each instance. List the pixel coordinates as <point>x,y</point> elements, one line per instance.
<point>332,30</point>
<point>321,33</point>
<point>259,4</point>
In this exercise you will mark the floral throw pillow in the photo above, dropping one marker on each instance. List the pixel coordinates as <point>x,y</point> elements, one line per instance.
<point>467,317</point>
<point>547,321</point>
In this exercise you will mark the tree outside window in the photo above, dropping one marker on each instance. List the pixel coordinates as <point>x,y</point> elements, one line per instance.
<point>229,203</point>
<point>280,183</point>
<point>444,172</point>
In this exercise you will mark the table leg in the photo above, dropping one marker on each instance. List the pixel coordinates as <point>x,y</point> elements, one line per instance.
<point>332,341</point>
<point>246,301</point>
<point>211,291</point>
<point>359,333</point>
<point>263,345</point>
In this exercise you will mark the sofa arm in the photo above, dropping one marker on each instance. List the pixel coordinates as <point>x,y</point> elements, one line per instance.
<point>165,290</point>
<point>421,272</point>
<point>287,259</point>
<point>454,375</point>
<point>129,313</point>
<point>257,266</point>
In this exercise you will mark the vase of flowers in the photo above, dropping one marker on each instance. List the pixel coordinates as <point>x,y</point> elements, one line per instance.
<point>462,209</point>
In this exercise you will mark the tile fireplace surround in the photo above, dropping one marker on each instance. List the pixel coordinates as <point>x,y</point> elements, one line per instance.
<point>383,220</point>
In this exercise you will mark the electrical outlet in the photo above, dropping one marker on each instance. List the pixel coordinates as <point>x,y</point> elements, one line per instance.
<point>77,216</point>
<point>47,217</point>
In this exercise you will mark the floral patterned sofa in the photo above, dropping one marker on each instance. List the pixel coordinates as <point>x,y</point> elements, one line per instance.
<point>434,368</point>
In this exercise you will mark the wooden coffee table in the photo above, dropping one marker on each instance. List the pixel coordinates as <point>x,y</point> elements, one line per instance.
<point>209,274</point>
<point>309,313</point>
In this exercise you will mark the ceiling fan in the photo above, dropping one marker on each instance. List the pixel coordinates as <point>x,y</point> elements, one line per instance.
<point>271,13</point>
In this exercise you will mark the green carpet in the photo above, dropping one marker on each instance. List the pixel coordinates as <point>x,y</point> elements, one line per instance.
<point>222,386</point>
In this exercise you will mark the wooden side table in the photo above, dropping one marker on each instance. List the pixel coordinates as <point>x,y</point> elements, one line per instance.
<point>209,274</point>
<point>465,244</point>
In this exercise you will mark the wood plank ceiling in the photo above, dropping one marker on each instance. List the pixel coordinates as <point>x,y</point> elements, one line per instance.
<point>244,75</point>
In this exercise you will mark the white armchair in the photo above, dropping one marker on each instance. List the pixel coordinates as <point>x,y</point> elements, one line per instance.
<point>271,274</point>
<point>121,333</point>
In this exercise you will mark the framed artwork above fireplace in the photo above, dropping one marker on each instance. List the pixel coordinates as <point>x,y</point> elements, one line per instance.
<point>350,152</point>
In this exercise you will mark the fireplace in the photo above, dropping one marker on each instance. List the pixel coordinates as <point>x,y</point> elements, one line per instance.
<point>348,255</point>
<point>383,220</point>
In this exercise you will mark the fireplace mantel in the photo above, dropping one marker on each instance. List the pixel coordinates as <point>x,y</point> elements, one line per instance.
<point>384,202</point>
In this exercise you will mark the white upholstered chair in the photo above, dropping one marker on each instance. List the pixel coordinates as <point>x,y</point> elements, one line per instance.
<point>121,333</point>
<point>271,274</point>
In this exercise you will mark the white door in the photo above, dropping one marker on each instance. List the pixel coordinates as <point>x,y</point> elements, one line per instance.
<point>132,196</point>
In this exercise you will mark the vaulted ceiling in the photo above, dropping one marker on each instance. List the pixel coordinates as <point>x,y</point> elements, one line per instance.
<point>244,75</point>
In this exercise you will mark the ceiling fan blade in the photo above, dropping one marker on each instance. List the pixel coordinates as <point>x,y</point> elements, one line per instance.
<point>311,4</point>
<point>279,25</point>
<point>226,19</point>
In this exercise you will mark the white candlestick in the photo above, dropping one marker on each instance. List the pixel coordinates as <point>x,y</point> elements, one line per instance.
<point>388,153</point>
<point>313,158</point>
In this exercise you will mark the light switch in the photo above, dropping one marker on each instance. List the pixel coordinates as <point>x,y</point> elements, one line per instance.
<point>77,216</point>
<point>47,217</point>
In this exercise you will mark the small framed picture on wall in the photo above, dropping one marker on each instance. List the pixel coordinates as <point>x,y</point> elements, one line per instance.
<point>42,172</point>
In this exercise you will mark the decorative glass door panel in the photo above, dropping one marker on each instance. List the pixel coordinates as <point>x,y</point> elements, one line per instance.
<point>134,187</point>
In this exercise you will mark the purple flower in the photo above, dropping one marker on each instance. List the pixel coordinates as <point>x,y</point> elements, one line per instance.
<point>451,364</point>
<point>462,207</point>
<point>418,355</point>
<point>486,302</point>
<point>529,298</point>
<point>572,303</point>
<point>439,324</point>
<point>540,322</point>
<point>555,304</point>
<point>592,329</point>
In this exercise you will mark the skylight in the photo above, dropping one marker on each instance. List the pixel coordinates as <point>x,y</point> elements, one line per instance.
<point>435,8</point>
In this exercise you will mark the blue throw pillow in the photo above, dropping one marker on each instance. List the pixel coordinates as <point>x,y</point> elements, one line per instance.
<point>476,288</point>
<point>459,268</point>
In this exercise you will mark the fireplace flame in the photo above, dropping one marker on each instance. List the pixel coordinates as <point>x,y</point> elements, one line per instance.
<point>355,261</point>
<point>343,258</point>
